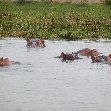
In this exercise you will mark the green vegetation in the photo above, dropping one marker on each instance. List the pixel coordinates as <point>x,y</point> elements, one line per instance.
<point>108,2</point>
<point>55,21</point>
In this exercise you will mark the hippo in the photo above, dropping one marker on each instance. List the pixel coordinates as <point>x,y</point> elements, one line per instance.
<point>69,56</point>
<point>88,52</point>
<point>108,59</point>
<point>98,58</point>
<point>6,62</point>
<point>102,59</point>
<point>35,43</point>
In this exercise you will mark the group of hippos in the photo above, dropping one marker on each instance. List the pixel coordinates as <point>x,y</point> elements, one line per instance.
<point>92,53</point>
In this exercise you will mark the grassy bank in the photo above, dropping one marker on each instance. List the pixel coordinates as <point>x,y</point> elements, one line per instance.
<point>55,21</point>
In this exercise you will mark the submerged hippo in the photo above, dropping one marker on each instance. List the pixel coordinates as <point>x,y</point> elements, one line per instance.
<point>35,43</point>
<point>88,52</point>
<point>68,56</point>
<point>6,62</point>
<point>98,58</point>
<point>108,59</point>
<point>102,59</point>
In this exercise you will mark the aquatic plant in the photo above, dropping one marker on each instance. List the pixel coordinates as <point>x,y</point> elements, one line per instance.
<point>55,21</point>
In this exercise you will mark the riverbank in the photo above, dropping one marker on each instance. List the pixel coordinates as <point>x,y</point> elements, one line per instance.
<point>55,21</point>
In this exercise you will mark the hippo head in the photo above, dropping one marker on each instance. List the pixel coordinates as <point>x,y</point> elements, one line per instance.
<point>68,56</point>
<point>4,62</point>
<point>94,52</point>
<point>40,43</point>
<point>63,56</point>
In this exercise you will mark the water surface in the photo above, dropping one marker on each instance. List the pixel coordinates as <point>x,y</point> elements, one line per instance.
<point>44,83</point>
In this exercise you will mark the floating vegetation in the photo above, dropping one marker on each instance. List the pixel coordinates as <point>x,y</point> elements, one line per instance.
<point>55,21</point>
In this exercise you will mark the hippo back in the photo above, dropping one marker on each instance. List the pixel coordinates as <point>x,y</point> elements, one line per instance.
<point>84,52</point>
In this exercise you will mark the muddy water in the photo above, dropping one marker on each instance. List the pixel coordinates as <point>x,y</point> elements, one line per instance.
<point>44,83</point>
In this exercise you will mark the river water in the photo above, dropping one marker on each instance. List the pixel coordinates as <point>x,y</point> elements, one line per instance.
<point>44,83</point>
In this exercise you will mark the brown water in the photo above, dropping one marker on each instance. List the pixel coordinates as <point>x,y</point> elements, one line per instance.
<point>44,83</point>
